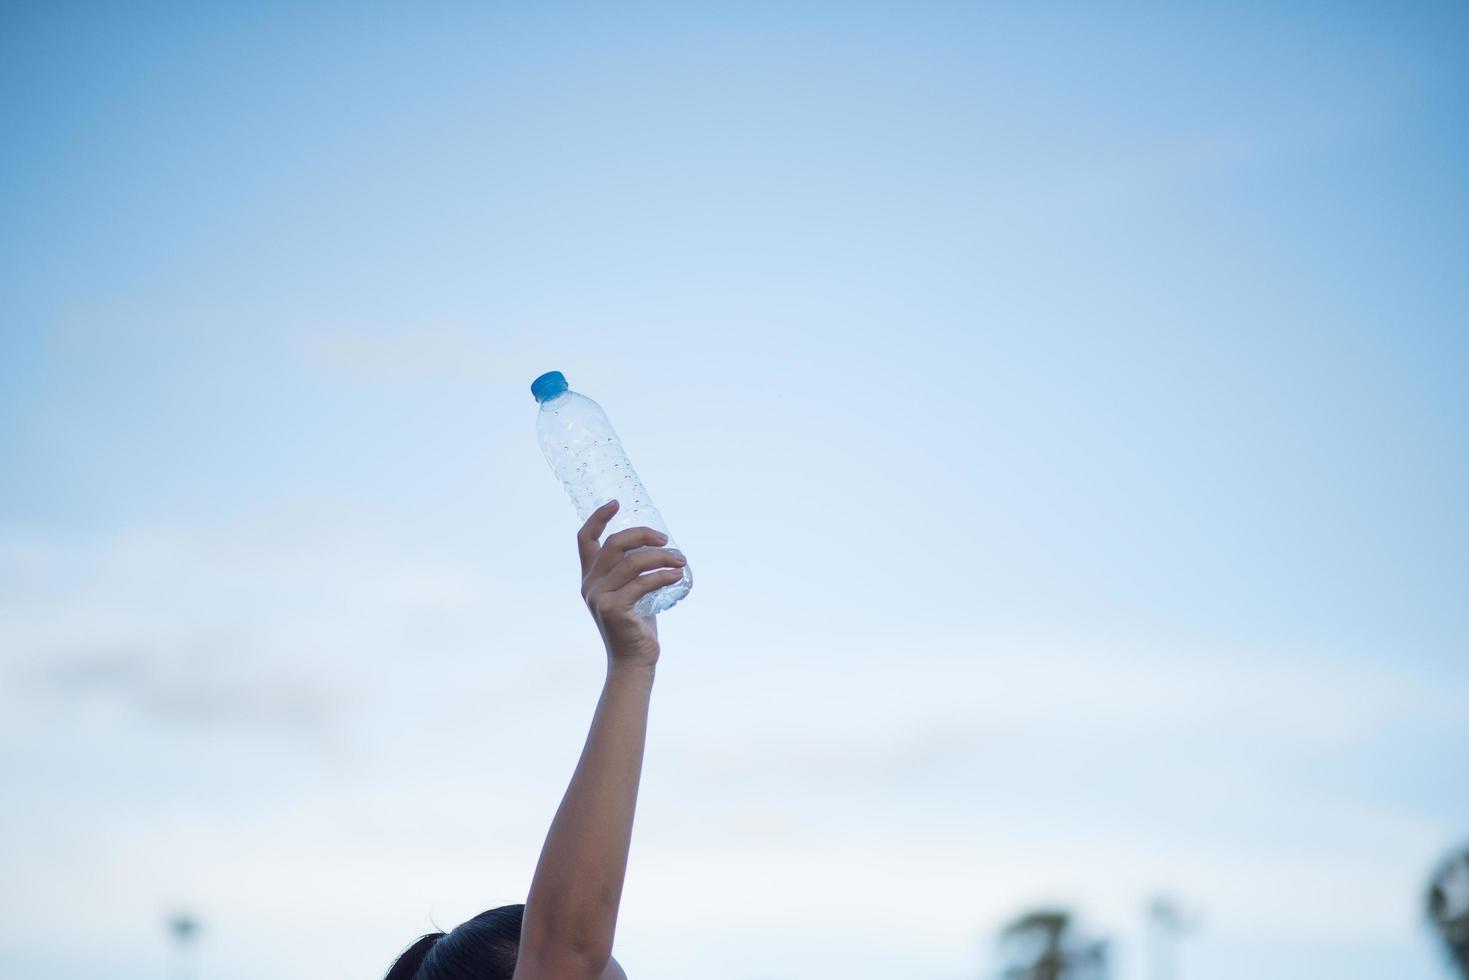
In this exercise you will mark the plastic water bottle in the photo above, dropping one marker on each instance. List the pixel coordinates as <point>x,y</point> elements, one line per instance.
<point>587,457</point>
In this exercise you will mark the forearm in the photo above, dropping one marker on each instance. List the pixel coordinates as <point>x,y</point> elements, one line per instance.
<point>571,912</point>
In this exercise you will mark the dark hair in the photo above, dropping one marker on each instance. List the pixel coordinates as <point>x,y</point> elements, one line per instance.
<point>484,948</point>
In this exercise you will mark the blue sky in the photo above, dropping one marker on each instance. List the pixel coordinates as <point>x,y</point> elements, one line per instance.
<point>1063,411</point>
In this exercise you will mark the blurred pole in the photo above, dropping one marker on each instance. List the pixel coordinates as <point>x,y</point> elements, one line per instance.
<point>184,929</point>
<point>1166,926</point>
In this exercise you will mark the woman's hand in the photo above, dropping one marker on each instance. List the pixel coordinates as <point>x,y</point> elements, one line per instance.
<point>614,577</point>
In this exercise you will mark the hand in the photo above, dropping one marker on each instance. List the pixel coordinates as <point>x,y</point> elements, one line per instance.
<point>613,580</point>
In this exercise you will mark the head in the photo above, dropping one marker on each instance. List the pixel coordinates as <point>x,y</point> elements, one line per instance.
<point>484,948</point>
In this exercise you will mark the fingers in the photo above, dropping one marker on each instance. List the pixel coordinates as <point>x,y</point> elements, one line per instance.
<point>650,582</point>
<point>591,532</point>
<point>638,562</point>
<point>633,537</point>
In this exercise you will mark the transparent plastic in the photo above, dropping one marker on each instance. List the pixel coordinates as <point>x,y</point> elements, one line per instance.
<point>587,457</point>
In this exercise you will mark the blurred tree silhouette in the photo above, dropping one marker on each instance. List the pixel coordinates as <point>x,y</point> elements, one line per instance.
<point>1448,906</point>
<point>1043,944</point>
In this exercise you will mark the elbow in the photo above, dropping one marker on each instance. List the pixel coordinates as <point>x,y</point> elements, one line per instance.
<point>567,957</point>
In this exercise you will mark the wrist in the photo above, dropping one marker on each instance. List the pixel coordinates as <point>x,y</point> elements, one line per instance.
<point>625,670</point>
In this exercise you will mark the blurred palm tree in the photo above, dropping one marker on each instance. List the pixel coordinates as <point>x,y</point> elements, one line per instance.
<point>1044,944</point>
<point>1448,907</point>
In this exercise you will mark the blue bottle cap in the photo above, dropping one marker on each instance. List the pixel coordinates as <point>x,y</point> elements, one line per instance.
<point>548,385</point>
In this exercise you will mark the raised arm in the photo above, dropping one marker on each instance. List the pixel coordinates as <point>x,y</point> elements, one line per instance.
<point>571,912</point>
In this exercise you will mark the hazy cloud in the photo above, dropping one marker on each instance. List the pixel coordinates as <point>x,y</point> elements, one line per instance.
<point>193,689</point>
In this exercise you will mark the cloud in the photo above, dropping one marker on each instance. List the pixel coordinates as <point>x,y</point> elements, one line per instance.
<point>189,689</point>
<point>255,625</point>
<point>920,785</point>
